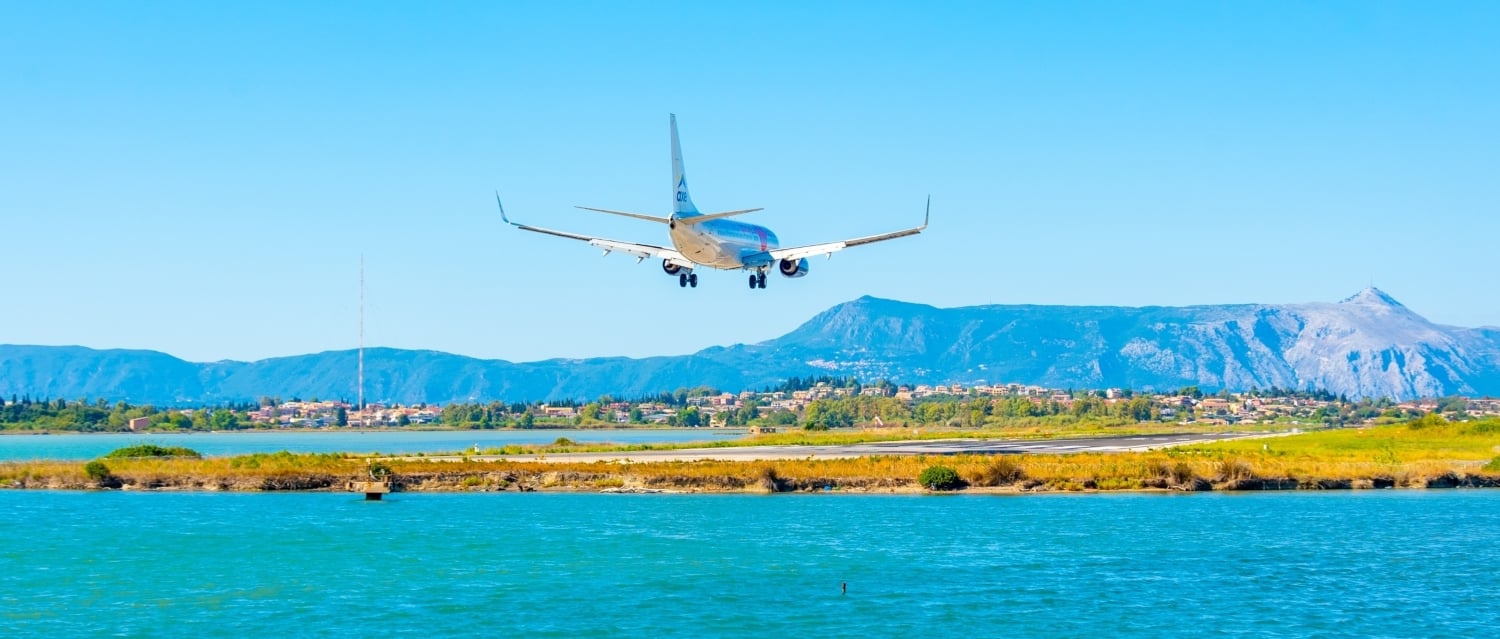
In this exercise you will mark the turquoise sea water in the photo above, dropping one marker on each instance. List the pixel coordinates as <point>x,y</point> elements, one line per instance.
<point>81,446</point>
<point>1338,564</point>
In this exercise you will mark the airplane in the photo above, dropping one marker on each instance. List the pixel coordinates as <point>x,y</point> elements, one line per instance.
<point>709,240</point>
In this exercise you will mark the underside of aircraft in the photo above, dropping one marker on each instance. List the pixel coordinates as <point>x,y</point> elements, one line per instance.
<point>712,240</point>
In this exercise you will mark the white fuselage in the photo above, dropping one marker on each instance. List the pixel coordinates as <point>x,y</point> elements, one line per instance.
<point>712,240</point>
<point>722,244</point>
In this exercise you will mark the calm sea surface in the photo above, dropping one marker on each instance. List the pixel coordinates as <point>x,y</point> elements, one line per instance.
<point>74,446</point>
<point>1338,564</point>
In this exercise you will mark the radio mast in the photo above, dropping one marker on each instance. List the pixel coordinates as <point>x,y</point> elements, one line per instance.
<point>361,391</point>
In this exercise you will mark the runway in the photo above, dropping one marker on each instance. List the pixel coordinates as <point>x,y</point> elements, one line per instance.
<point>921,447</point>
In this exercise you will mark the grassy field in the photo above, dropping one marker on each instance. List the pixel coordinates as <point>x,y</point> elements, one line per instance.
<point>1420,454</point>
<point>1422,448</point>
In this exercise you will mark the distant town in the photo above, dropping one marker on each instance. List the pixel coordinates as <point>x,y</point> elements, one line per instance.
<point>816,403</point>
<point>792,407</point>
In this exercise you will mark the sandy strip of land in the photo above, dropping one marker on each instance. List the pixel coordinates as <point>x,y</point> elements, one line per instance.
<point>918,447</point>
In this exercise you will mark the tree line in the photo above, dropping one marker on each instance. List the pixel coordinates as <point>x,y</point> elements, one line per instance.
<point>25,413</point>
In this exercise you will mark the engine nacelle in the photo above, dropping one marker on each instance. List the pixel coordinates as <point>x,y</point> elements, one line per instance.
<point>670,268</point>
<point>790,268</point>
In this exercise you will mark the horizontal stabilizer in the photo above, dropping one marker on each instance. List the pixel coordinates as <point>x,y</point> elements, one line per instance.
<point>638,216</point>
<point>714,216</point>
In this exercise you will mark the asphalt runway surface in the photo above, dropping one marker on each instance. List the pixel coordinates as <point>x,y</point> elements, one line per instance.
<point>922,447</point>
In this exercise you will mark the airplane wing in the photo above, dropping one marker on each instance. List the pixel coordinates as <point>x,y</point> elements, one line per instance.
<point>640,251</point>
<point>828,248</point>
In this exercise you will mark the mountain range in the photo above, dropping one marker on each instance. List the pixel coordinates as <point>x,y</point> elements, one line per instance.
<point>1368,345</point>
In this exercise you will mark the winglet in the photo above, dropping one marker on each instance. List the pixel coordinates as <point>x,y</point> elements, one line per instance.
<point>502,209</point>
<point>925,216</point>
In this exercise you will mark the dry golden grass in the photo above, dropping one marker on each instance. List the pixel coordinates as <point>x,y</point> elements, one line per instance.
<point>222,472</point>
<point>1401,455</point>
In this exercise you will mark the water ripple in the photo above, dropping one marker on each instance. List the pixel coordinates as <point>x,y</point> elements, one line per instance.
<point>1372,564</point>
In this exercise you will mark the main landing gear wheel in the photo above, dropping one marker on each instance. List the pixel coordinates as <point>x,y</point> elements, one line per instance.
<point>752,280</point>
<point>693,280</point>
<point>760,279</point>
<point>682,280</point>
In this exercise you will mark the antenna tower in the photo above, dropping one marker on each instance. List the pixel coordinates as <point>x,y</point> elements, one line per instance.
<point>361,390</point>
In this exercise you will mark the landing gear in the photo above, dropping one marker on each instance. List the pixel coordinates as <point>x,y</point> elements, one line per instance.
<point>687,279</point>
<point>758,280</point>
<point>693,280</point>
<point>682,280</point>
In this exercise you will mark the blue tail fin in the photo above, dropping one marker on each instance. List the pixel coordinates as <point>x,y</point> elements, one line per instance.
<point>682,203</point>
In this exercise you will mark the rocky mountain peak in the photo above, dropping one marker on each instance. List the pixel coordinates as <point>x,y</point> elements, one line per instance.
<point>1369,345</point>
<point>1372,297</point>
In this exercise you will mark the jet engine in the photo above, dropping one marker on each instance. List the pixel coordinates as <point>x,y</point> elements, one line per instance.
<point>791,268</point>
<point>670,268</point>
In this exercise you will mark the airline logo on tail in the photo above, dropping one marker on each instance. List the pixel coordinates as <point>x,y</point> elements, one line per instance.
<point>682,203</point>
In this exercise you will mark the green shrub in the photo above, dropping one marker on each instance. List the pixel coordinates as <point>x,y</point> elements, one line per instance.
<point>1493,466</point>
<point>379,470</point>
<point>1430,419</point>
<point>1482,427</point>
<point>152,450</point>
<point>96,470</point>
<point>940,478</point>
<point>563,441</point>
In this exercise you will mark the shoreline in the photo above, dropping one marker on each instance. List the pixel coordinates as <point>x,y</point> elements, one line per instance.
<point>537,484</point>
<point>1146,473</point>
<point>1422,454</point>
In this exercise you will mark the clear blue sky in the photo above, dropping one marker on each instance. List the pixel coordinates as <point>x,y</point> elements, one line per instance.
<point>202,178</point>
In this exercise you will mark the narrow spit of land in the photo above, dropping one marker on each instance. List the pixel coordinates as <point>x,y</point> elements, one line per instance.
<point>1429,453</point>
<point>935,447</point>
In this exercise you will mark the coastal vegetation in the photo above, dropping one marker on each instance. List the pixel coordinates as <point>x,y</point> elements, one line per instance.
<point>152,450</point>
<point>96,470</point>
<point>813,404</point>
<point>940,478</point>
<point>22,413</point>
<point>1003,471</point>
<point>1425,453</point>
